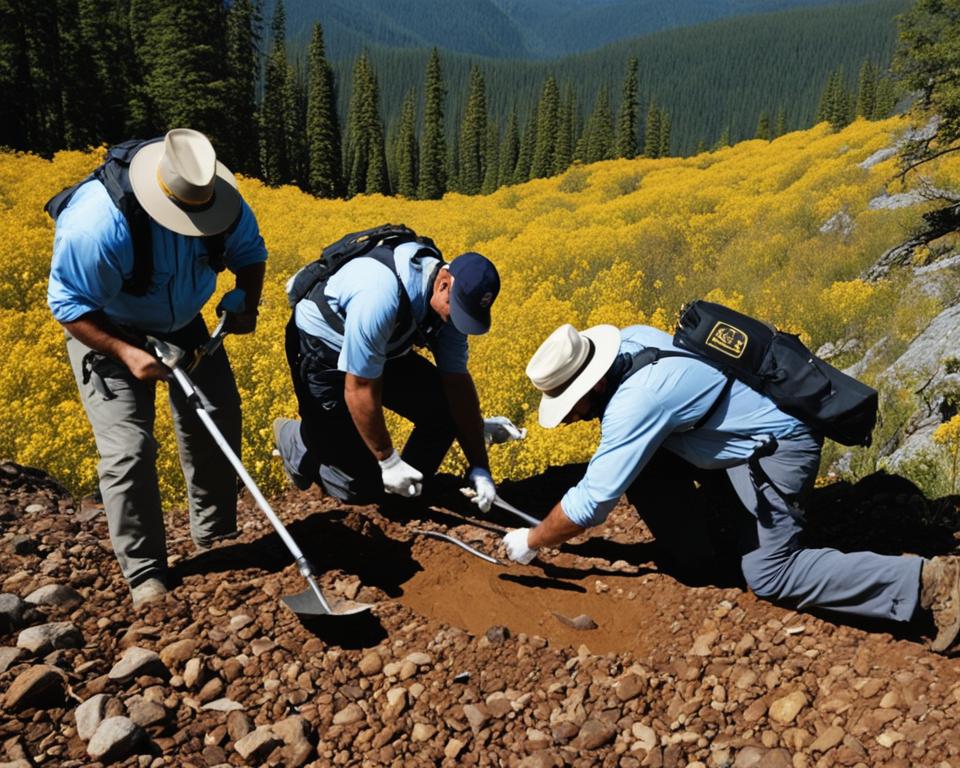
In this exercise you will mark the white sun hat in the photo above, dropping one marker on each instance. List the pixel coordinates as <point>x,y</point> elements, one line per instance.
<point>568,364</point>
<point>183,187</point>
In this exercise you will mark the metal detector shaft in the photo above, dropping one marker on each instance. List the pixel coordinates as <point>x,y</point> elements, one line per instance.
<point>498,502</point>
<point>464,546</point>
<point>514,511</point>
<point>306,569</point>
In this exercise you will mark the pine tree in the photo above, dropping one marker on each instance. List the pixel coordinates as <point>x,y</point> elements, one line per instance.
<point>886,98</point>
<point>243,35</point>
<point>927,61</point>
<point>79,89</point>
<point>521,171</point>
<point>509,150</point>
<point>867,91</point>
<point>651,132</point>
<point>567,132</point>
<point>433,178</point>
<point>365,154</point>
<point>295,127</point>
<point>406,147</point>
<point>104,27</point>
<point>42,51</point>
<point>664,134</point>
<point>323,126</point>
<point>453,165</point>
<point>491,174</point>
<point>272,119</point>
<point>780,127</point>
<point>473,135</point>
<point>548,125</point>
<point>763,127</point>
<point>827,97</point>
<point>180,49</point>
<point>836,102</point>
<point>16,91</point>
<point>627,120</point>
<point>378,179</point>
<point>598,140</point>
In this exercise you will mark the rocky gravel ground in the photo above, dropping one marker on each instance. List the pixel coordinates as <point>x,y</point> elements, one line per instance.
<point>594,656</point>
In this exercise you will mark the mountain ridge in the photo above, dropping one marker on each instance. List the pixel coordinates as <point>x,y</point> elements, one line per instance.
<point>533,29</point>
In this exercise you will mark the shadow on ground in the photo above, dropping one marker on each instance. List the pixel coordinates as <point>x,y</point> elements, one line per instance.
<point>377,559</point>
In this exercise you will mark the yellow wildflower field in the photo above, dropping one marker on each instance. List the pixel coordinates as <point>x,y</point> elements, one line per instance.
<point>623,242</point>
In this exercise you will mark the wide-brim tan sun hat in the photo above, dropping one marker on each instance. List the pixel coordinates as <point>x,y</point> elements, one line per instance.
<point>568,364</point>
<point>183,187</point>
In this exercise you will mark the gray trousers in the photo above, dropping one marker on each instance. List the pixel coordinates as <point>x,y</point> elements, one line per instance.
<point>775,565</point>
<point>777,568</point>
<point>121,411</point>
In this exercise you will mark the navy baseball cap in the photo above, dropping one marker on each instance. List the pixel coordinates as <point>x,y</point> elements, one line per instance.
<point>476,284</point>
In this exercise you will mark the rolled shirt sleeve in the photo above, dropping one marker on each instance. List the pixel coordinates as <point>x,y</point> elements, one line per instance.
<point>93,255</point>
<point>244,245</point>
<point>82,278</point>
<point>634,425</point>
<point>88,268</point>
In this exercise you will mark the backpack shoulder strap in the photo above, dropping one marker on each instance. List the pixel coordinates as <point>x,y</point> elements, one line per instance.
<point>114,174</point>
<point>405,312</point>
<point>651,355</point>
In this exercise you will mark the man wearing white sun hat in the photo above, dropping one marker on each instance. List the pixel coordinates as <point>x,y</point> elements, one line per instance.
<point>701,418</point>
<point>137,249</point>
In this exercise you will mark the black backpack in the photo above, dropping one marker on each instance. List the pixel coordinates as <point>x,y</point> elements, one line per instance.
<point>377,243</point>
<point>114,174</point>
<point>779,366</point>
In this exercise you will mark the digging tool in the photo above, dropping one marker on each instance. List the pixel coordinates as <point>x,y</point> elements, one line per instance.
<point>311,602</point>
<point>457,542</point>
<point>506,506</point>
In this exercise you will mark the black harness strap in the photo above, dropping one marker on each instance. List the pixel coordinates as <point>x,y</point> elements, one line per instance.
<point>406,325</point>
<point>650,356</point>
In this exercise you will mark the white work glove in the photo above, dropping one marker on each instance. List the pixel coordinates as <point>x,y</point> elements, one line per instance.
<point>485,490</point>
<point>399,477</point>
<point>515,543</point>
<point>499,429</point>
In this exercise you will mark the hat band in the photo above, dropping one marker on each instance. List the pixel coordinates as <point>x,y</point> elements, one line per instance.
<point>557,391</point>
<point>180,202</point>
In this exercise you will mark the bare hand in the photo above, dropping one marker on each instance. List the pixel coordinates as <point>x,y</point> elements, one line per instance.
<point>145,366</point>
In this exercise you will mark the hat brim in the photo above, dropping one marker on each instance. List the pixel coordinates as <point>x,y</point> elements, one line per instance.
<point>465,322</point>
<point>217,218</point>
<point>606,342</point>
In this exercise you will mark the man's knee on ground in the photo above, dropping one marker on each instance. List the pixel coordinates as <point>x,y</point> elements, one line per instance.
<point>765,573</point>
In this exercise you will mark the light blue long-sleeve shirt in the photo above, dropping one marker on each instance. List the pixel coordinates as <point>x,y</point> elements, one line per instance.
<point>366,291</point>
<point>658,406</point>
<point>93,255</point>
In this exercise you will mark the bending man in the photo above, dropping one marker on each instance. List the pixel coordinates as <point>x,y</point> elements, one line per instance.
<point>137,249</point>
<point>687,408</point>
<point>350,350</point>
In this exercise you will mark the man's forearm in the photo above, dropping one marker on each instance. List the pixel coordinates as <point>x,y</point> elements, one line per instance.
<point>464,407</point>
<point>363,398</point>
<point>554,530</point>
<point>98,332</point>
<point>250,279</point>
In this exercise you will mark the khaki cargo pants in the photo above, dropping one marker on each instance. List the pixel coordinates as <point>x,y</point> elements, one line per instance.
<point>121,410</point>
